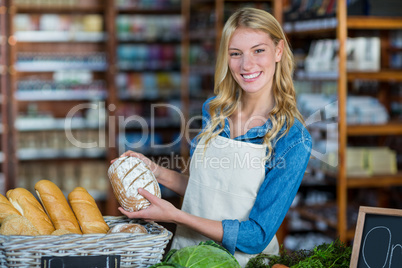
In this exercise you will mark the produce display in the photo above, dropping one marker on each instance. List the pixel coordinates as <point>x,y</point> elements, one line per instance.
<point>205,255</point>
<point>126,175</point>
<point>336,254</point>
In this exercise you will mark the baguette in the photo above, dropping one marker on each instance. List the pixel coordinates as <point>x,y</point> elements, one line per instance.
<point>126,175</point>
<point>29,207</point>
<point>87,212</point>
<point>6,208</point>
<point>18,225</point>
<point>56,206</point>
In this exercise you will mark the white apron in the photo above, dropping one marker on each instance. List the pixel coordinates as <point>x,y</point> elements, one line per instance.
<point>224,182</point>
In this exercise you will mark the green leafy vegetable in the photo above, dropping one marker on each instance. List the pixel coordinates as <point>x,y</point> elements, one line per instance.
<point>205,255</point>
<point>336,254</point>
<point>166,265</point>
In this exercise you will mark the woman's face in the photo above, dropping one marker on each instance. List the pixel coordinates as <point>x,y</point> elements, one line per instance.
<point>252,59</point>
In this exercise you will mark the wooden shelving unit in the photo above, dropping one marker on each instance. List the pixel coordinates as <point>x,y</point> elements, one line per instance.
<point>383,75</point>
<point>62,101</point>
<point>370,23</point>
<point>392,128</point>
<point>7,150</point>
<point>375,181</point>
<point>51,160</point>
<point>354,26</point>
<point>346,24</point>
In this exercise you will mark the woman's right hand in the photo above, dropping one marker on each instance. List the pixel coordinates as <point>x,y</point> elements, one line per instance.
<point>155,168</point>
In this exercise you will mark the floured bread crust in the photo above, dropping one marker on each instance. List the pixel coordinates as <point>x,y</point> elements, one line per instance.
<point>126,175</point>
<point>128,228</point>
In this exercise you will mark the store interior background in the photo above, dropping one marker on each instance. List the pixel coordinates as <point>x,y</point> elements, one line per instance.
<point>83,81</point>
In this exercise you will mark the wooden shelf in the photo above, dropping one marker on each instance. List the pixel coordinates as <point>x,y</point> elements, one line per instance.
<point>317,28</point>
<point>136,11</point>
<point>373,23</point>
<point>57,36</point>
<point>392,128</point>
<point>314,32</point>
<point>384,75</point>
<point>375,181</point>
<point>304,31</point>
<point>35,9</point>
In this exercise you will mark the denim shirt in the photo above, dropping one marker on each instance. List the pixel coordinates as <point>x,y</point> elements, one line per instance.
<point>283,175</point>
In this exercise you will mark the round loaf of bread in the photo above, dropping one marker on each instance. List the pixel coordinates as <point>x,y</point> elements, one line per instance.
<point>134,228</point>
<point>126,175</point>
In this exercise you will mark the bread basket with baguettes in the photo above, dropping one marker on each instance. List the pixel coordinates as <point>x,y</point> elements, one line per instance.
<point>135,250</point>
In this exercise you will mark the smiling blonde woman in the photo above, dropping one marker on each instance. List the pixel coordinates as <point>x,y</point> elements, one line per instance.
<point>248,161</point>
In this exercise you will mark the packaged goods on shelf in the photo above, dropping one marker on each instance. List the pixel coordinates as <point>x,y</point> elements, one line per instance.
<point>367,161</point>
<point>396,39</point>
<point>146,85</point>
<point>321,56</point>
<point>149,4</point>
<point>396,43</point>
<point>365,110</point>
<point>78,85</point>
<point>55,144</point>
<point>360,109</point>
<point>161,28</point>
<point>381,160</point>
<point>396,104</point>
<point>152,145</point>
<point>311,103</point>
<point>312,11</point>
<point>59,28</point>
<point>68,175</point>
<point>60,3</point>
<point>356,162</point>
<point>363,55</point>
<point>201,55</point>
<point>50,62</point>
<point>138,57</point>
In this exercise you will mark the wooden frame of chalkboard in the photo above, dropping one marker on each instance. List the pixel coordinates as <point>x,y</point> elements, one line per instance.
<point>387,218</point>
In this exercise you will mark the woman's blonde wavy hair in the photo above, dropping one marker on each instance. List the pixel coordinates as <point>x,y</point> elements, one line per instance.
<point>228,92</point>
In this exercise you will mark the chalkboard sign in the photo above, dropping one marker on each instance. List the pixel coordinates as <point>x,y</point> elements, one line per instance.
<point>102,261</point>
<point>378,238</point>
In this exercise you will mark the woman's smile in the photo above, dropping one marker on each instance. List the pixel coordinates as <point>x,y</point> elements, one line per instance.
<point>251,77</point>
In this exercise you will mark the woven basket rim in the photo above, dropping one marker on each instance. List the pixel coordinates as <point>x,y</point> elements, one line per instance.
<point>118,219</point>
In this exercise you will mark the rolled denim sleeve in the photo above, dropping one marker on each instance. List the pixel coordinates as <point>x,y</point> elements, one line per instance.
<point>231,229</point>
<point>284,174</point>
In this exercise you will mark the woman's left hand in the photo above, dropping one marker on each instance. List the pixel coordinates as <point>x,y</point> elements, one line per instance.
<point>159,210</point>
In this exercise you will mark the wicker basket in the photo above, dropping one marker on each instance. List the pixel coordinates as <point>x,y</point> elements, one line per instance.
<point>135,250</point>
